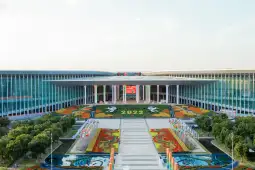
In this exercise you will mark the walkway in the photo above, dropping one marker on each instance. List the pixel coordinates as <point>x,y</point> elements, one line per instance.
<point>136,150</point>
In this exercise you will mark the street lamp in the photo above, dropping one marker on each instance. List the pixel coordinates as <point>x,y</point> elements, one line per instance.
<point>232,151</point>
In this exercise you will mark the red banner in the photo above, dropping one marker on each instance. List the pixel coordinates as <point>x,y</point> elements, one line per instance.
<point>131,89</point>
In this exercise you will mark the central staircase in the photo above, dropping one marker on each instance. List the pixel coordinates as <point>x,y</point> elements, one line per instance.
<point>136,149</point>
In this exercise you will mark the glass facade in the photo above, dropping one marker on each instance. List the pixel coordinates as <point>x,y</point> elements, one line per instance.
<point>28,92</point>
<point>231,92</point>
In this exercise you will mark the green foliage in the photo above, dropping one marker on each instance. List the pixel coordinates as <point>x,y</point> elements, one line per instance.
<point>3,131</point>
<point>39,143</point>
<point>241,132</point>
<point>241,150</point>
<point>4,121</point>
<point>204,122</point>
<point>3,150</point>
<point>32,136</point>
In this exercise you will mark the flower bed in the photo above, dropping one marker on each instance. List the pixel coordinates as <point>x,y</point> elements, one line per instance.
<point>118,111</point>
<point>107,139</point>
<point>68,110</point>
<point>182,113</point>
<point>197,109</point>
<point>164,138</point>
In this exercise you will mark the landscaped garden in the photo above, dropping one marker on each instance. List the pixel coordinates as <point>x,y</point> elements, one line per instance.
<point>31,138</point>
<point>182,113</point>
<point>241,132</point>
<point>118,111</point>
<point>104,140</point>
<point>84,112</point>
<point>195,109</point>
<point>68,110</point>
<point>166,138</point>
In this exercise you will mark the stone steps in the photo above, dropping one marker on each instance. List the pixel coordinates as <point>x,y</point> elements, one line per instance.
<point>136,149</point>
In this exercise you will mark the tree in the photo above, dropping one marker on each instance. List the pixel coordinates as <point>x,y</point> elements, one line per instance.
<point>18,131</point>
<point>3,143</point>
<point>14,149</point>
<point>204,122</point>
<point>241,150</point>
<point>223,116</point>
<point>254,139</point>
<point>39,143</point>
<point>223,134</point>
<point>3,131</point>
<point>24,140</point>
<point>216,130</point>
<point>228,141</point>
<point>4,121</point>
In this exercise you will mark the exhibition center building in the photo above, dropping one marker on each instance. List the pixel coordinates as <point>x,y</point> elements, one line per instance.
<point>34,92</point>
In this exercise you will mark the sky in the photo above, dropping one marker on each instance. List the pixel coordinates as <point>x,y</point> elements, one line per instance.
<point>127,35</point>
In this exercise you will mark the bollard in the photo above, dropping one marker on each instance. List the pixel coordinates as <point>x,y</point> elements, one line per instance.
<point>169,157</point>
<point>111,160</point>
<point>176,166</point>
<point>172,162</point>
<point>169,160</point>
<point>110,166</point>
<point>112,150</point>
<point>167,152</point>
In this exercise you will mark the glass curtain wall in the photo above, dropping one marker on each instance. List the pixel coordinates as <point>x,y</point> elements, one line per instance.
<point>22,94</point>
<point>232,92</point>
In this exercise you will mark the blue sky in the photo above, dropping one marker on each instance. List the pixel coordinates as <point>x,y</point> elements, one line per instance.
<point>127,35</point>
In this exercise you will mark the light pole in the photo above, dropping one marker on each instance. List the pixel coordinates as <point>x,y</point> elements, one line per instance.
<point>232,151</point>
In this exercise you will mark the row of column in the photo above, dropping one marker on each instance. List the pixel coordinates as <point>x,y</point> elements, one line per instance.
<point>146,90</point>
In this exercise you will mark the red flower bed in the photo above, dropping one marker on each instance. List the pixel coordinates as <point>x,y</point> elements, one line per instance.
<point>163,139</point>
<point>107,139</point>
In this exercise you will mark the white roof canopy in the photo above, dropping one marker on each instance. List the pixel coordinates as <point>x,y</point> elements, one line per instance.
<point>132,80</point>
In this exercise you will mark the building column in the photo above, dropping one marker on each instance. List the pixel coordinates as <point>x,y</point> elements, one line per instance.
<point>137,93</point>
<point>118,94</point>
<point>148,93</point>
<point>115,94</point>
<point>167,88</point>
<point>95,94</point>
<point>112,94</point>
<point>104,93</point>
<point>125,93</point>
<point>85,94</point>
<point>177,94</point>
<point>143,93</point>
<point>157,93</point>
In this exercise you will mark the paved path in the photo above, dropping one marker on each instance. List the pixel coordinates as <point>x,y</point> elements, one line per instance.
<point>109,123</point>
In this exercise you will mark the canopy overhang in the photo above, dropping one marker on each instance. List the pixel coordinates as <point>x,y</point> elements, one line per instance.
<point>132,80</point>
